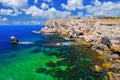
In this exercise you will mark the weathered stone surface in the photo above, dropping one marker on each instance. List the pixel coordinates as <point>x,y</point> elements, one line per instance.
<point>115,56</point>
<point>100,33</point>
<point>97,68</point>
<point>116,76</point>
<point>72,33</point>
<point>110,75</point>
<point>115,48</point>
<point>107,66</point>
<point>106,41</point>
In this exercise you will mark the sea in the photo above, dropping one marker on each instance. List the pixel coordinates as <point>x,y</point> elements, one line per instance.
<point>44,56</point>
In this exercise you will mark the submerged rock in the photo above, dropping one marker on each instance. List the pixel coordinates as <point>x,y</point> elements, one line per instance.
<point>41,70</point>
<point>97,68</point>
<point>51,64</point>
<point>110,75</point>
<point>36,51</point>
<point>12,56</point>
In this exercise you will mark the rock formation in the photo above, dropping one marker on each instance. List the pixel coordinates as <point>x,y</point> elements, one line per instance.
<point>100,33</point>
<point>14,40</point>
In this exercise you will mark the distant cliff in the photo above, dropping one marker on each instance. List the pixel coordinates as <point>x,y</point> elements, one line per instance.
<point>103,34</point>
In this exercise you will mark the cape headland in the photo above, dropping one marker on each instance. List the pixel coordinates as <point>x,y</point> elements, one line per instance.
<point>102,34</point>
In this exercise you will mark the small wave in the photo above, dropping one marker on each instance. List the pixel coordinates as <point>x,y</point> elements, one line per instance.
<point>36,31</point>
<point>26,42</point>
<point>65,43</point>
<point>66,38</point>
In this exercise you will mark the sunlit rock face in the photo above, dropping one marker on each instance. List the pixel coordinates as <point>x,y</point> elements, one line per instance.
<point>100,32</point>
<point>13,40</point>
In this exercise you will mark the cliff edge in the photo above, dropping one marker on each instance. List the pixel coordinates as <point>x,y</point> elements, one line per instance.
<point>101,34</point>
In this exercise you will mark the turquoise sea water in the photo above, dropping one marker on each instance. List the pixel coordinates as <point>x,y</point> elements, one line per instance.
<point>42,60</point>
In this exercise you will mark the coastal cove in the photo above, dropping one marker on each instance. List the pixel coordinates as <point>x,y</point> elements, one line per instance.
<point>59,39</point>
<point>102,36</point>
<point>45,59</point>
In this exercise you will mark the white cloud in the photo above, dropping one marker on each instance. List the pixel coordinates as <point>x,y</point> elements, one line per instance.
<point>50,13</point>
<point>97,2</point>
<point>53,13</point>
<point>4,19</point>
<point>15,3</point>
<point>34,11</point>
<point>35,1</point>
<point>32,22</point>
<point>104,9</point>
<point>10,12</point>
<point>44,6</point>
<point>36,22</point>
<point>80,14</point>
<point>97,9</point>
<point>73,5</point>
<point>47,0</point>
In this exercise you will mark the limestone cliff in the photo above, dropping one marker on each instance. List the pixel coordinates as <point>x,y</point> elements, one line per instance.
<point>99,33</point>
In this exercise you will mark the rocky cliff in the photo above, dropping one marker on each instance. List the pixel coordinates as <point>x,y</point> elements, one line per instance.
<point>101,34</point>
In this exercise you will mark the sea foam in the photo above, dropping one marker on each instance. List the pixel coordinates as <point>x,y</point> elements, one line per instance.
<point>26,42</point>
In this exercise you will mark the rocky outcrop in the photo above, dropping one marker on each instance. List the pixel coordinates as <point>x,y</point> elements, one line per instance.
<point>72,33</point>
<point>99,33</point>
<point>115,45</point>
<point>56,26</point>
<point>13,40</point>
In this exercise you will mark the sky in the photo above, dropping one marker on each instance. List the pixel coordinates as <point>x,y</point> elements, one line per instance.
<point>36,12</point>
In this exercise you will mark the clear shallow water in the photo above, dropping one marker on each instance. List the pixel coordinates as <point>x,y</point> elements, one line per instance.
<point>40,61</point>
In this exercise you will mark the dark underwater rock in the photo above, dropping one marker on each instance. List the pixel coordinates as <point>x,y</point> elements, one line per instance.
<point>50,64</point>
<point>36,51</point>
<point>12,56</point>
<point>41,70</point>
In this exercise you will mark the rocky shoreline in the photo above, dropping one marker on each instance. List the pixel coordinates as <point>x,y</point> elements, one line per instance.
<point>100,35</point>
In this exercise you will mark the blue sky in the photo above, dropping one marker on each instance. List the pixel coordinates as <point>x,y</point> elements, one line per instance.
<point>36,12</point>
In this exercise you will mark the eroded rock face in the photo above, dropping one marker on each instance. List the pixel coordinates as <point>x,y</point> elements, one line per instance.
<point>106,41</point>
<point>98,32</point>
<point>115,48</point>
<point>56,25</point>
<point>72,33</point>
<point>115,56</point>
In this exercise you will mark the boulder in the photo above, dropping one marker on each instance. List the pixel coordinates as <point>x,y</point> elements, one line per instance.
<point>107,66</point>
<point>110,75</point>
<point>13,40</point>
<point>115,48</point>
<point>106,41</point>
<point>115,56</point>
<point>116,76</point>
<point>97,68</point>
